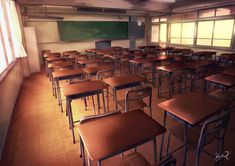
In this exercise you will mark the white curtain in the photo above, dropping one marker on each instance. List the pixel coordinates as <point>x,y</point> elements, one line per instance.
<point>15,30</point>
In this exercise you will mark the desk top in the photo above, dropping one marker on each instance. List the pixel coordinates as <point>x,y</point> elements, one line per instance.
<point>193,108</point>
<point>230,71</point>
<point>224,79</point>
<point>151,59</point>
<point>67,73</point>
<point>94,70</point>
<point>83,88</point>
<point>106,136</point>
<point>83,62</point>
<point>61,64</point>
<point>123,80</point>
<point>171,68</point>
<point>49,59</point>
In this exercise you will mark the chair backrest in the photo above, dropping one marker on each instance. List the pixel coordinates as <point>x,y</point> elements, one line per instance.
<point>93,117</point>
<point>213,128</point>
<point>101,74</point>
<point>138,94</point>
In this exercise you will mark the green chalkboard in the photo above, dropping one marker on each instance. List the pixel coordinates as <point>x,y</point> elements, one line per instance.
<point>92,30</point>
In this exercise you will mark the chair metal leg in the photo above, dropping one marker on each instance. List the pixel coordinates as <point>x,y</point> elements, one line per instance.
<point>168,144</point>
<point>155,151</point>
<point>98,102</point>
<point>93,103</point>
<point>103,98</point>
<point>185,143</point>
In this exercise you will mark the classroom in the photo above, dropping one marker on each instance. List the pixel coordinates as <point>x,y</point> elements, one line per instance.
<point>117,82</point>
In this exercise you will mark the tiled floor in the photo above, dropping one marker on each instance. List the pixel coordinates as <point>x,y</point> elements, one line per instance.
<point>39,132</point>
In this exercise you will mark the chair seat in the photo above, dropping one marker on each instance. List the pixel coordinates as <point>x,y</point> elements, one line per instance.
<point>133,104</point>
<point>221,94</point>
<point>133,159</point>
<point>193,135</point>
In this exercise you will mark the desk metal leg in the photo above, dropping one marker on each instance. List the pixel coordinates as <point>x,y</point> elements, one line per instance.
<point>68,102</point>
<point>185,143</point>
<point>59,94</point>
<point>162,142</point>
<point>153,75</point>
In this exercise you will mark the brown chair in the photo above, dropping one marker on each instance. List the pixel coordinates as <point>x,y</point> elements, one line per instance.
<point>134,99</point>
<point>104,74</point>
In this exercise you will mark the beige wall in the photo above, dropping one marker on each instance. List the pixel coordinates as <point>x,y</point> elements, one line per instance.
<point>9,89</point>
<point>48,37</point>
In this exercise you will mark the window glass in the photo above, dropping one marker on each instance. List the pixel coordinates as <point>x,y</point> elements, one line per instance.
<point>155,33</point>
<point>184,16</point>
<point>223,29</point>
<point>207,13</point>
<point>221,43</point>
<point>205,42</point>
<point>155,19</point>
<point>188,30</point>
<point>205,29</point>
<point>163,32</point>
<point>187,41</point>
<point>163,19</point>
<point>175,41</point>
<point>225,11</point>
<point>176,30</point>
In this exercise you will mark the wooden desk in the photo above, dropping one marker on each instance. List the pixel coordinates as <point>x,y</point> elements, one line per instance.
<point>191,109</point>
<point>80,90</point>
<point>153,61</point>
<point>225,80</point>
<point>64,75</point>
<point>61,66</point>
<point>117,133</point>
<point>122,82</point>
<point>170,70</point>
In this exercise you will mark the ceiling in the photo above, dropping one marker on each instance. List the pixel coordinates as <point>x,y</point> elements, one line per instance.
<point>147,6</point>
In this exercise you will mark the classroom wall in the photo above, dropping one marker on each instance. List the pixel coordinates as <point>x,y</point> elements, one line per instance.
<point>48,37</point>
<point>9,88</point>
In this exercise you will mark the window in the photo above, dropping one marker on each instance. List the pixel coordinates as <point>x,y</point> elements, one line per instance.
<point>215,33</point>
<point>163,33</point>
<point>225,11</point>
<point>155,33</point>
<point>10,35</point>
<point>182,33</point>
<point>207,13</point>
<point>184,16</point>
